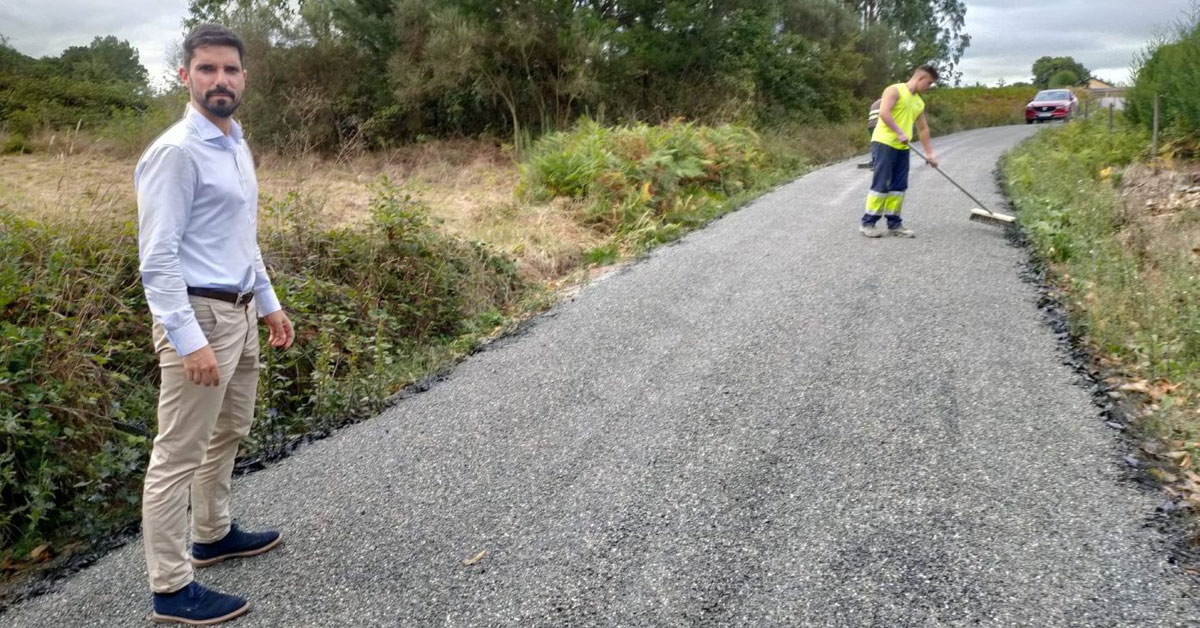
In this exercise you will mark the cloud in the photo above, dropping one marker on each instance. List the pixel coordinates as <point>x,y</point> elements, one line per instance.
<point>1007,36</point>
<point>39,28</point>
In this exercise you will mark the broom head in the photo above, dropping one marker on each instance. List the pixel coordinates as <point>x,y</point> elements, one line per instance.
<point>991,218</point>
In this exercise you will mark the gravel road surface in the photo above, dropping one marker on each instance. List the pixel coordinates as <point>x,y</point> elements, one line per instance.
<point>773,422</point>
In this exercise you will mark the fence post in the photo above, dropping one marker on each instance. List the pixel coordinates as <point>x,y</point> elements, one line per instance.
<point>1154,137</point>
<point>1111,105</point>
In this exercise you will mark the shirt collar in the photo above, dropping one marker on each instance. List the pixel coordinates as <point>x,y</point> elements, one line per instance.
<point>209,131</point>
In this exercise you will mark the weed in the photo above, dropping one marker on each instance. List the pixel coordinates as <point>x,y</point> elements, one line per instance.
<point>374,309</point>
<point>1130,276</point>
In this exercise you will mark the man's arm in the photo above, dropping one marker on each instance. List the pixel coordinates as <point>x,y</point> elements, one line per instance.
<point>923,132</point>
<point>264,293</point>
<point>278,323</point>
<point>265,299</point>
<point>166,187</point>
<point>890,96</point>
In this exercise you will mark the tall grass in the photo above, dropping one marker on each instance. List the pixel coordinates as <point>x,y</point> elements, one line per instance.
<point>127,133</point>
<point>646,184</point>
<point>1132,296</point>
<point>794,148</point>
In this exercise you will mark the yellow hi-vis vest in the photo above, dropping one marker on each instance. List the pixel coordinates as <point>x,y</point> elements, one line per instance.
<point>908,108</point>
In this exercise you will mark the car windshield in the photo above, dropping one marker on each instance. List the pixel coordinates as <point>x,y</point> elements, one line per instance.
<point>1059,94</point>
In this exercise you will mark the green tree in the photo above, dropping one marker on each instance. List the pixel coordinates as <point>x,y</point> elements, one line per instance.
<point>12,61</point>
<point>304,94</point>
<point>105,59</point>
<point>1063,78</point>
<point>1047,67</point>
<point>931,30</point>
<point>391,70</point>
<point>1170,70</point>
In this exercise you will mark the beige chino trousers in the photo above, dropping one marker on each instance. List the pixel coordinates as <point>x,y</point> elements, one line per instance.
<point>199,428</point>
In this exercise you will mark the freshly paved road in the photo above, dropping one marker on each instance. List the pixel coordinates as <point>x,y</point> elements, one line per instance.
<point>775,422</point>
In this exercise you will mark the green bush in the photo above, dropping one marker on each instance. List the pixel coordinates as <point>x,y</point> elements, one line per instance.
<point>1172,71</point>
<point>76,380</point>
<point>61,102</point>
<point>1063,78</point>
<point>129,131</point>
<point>82,89</point>
<point>374,309</point>
<point>646,183</point>
<point>16,143</point>
<point>1128,301</point>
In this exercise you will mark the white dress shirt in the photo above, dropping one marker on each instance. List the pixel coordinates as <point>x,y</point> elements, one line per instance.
<point>197,199</point>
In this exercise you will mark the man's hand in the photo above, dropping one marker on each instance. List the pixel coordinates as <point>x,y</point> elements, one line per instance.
<point>933,160</point>
<point>201,367</point>
<point>904,139</point>
<point>281,329</point>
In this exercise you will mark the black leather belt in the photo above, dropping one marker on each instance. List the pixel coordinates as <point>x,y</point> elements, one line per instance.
<point>221,295</point>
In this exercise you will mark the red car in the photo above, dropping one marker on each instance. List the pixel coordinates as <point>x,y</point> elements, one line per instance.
<point>1051,104</point>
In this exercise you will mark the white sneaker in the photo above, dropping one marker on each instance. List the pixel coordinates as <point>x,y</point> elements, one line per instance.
<point>901,232</point>
<point>870,232</point>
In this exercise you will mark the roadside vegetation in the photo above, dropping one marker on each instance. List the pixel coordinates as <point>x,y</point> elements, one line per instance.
<point>1118,230</point>
<point>953,110</point>
<point>409,213</point>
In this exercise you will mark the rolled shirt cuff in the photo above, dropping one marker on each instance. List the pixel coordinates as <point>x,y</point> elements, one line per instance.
<point>187,339</point>
<point>266,302</point>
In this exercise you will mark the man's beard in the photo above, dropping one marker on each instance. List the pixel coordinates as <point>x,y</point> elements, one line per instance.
<point>219,110</point>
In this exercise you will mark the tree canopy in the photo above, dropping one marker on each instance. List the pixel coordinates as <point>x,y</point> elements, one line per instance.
<point>1059,68</point>
<point>105,59</point>
<point>327,71</point>
<point>84,86</point>
<point>930,30</point>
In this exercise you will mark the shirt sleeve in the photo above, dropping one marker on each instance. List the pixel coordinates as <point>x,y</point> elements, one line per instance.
<point>166,187</point>
<point>265,299</point>
<point>264,294</point>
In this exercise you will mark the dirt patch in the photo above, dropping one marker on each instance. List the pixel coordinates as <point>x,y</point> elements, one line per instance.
<point>454,178</point>
<point>1160,226</point>
<point>1161,212</point>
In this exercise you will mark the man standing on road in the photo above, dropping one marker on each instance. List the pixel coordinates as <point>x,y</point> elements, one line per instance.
<point>205,280</point>
<point>902,107</point>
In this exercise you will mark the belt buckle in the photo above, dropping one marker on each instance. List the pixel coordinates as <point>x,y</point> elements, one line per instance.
<point>243,298</point>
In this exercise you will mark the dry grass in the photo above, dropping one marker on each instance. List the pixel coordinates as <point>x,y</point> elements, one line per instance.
<point>58,186</point>
<point>1160,214</point>
<point>818,144</point>
<point>468,186</point>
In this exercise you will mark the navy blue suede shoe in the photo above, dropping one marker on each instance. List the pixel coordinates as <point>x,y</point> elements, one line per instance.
<point>197,606</point>
<point>236,544</point>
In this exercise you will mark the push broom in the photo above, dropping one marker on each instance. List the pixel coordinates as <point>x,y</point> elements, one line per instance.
<point>978,214</point>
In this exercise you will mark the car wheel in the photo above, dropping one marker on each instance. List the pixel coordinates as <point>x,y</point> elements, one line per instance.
<point>1028,121</point>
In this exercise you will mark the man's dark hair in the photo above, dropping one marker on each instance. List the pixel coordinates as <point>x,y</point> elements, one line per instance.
<point>210,35</point>
<point>930,70</point>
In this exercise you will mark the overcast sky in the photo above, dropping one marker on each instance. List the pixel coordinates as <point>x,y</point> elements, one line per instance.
<point>1007,36</point>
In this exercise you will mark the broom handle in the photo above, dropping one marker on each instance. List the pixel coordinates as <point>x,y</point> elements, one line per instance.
<point>939,170</point>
